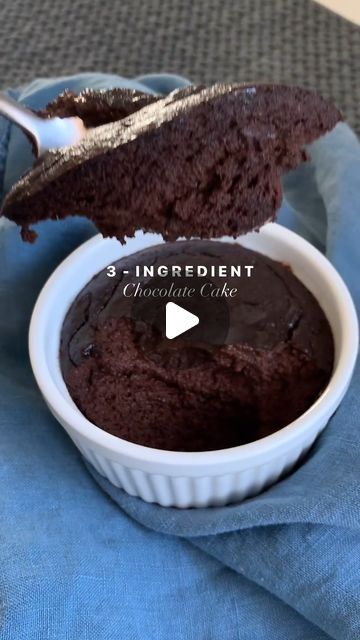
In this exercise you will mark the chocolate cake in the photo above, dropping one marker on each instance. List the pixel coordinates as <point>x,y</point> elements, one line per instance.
<point>97,107</point>
<point>202,162</point>
<point>187,394</point>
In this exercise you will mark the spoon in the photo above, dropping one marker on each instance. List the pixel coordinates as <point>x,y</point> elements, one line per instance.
<point>46,133</point>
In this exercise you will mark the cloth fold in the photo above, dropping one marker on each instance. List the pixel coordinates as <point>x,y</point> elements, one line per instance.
<point>285,564</point>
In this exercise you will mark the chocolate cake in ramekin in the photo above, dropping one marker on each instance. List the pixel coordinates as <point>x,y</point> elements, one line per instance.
<point>202,478</point>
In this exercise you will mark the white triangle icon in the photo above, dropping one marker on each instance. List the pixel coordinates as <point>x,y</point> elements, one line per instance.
<point>178,320</point>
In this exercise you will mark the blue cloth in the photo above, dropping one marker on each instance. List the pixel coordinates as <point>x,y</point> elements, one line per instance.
<point>73,565</point>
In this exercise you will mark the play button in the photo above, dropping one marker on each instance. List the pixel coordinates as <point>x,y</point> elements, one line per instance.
<point>198,323</point>
<point>178,320</point>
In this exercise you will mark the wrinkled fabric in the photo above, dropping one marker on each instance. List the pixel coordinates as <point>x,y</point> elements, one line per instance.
<point>80,559</point>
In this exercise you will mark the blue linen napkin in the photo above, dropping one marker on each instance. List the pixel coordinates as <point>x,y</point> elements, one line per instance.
<point>283,565</point>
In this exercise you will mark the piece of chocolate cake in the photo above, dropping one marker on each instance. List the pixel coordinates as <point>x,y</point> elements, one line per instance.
<point>201,162</point>
<point>186,394</point>
<point>97,107</point>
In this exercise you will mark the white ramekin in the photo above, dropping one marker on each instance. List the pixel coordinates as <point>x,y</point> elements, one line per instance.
<point>202,478</point>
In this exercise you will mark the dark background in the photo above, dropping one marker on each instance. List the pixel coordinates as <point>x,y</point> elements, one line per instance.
<point>291,41</point>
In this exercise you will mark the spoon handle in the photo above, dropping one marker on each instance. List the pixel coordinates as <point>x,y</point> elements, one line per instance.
<point>21,116</point>
<point>46,133</point>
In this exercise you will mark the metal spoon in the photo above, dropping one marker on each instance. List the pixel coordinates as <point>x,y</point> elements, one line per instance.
<point>46,133</point>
